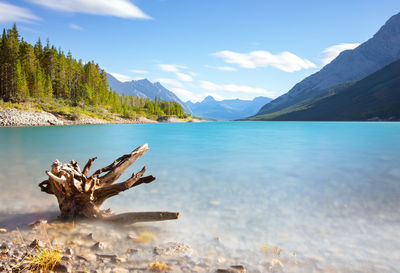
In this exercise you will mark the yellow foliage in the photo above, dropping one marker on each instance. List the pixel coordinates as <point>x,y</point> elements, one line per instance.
<point>43,261</point>
<point>271,250</point>
<point>158,267</point>
<point>144,237</point>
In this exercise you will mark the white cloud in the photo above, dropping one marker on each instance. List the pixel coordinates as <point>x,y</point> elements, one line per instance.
<point>222,68</point>
<point>118,8</point>
<point>171,67</point>
<point>11,13</point>
<point>175,68</point>
<point>139,71</point>
<point>183,94</point>
<point>330,53</point>
<point>170,82</point>
<point>184,77</point>
<point>121,77</point>
<point>284,61</point>
<point>76,27</point>
<point>232,88</point>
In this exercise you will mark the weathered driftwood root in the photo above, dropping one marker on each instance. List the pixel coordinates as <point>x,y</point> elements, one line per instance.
<point>133,217</point>
<point>80,195</point>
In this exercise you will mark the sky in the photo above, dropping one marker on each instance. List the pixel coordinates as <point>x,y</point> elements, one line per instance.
<point>224,48</point>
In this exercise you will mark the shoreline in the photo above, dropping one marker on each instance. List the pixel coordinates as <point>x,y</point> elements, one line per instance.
<point>91,246</point>
<point>12,117</point>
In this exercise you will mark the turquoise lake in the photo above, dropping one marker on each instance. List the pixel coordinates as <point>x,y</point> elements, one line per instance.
<point>329,193</point>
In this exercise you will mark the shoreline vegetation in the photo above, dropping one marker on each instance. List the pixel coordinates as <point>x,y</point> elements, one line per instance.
<point>45,86</point>
<point>34,114</point>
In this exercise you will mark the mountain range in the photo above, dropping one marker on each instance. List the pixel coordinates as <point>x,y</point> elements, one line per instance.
<point>232,109</point>
<point>144,89</point>
<point>376,97</point>
<point>342,75</point>
<point>209,108</point>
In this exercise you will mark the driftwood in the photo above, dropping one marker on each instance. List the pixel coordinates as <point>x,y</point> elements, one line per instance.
<point>80,195</point>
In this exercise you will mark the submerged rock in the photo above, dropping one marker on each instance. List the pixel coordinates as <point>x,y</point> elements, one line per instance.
<point>99,246</point>
<point>89,257</point>
<point>37,223</point>
<point>171,249</point>
<point>36,243</point>
<point>62,267</point>
<point>68,251</point>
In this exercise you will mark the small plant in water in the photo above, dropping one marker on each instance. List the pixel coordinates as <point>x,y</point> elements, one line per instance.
<point>271,250</point>
<point>158,267</point>
<point>43,261</point>
<point>144,237</point>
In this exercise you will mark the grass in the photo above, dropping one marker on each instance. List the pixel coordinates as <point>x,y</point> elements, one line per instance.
<point>39,259</point>
<point>43,261</point>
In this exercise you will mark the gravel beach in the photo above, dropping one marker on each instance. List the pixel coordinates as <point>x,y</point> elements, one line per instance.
<point>16,117</point>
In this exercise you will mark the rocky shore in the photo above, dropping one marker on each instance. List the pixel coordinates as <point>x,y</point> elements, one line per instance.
<point>89,247</point>
<point>16,117</point>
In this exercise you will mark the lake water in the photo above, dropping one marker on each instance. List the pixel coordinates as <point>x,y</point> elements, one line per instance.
<point>327,194</point>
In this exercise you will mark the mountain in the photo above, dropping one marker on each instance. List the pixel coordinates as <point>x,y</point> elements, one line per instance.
<point>227,109</point>
<point>144,89</point>
<point>351,65</point>
<point>376,97</point>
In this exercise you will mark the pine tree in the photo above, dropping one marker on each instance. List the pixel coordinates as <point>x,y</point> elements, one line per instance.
<point>13,50</point>
<point>19,91</point>
<point>48,88</point>
<point>3,65</point>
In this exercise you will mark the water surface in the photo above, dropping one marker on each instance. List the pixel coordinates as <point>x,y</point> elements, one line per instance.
<point>327,192</point>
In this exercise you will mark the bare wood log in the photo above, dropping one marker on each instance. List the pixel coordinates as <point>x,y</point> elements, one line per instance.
<point>134,217</point>
<point>80,196</point>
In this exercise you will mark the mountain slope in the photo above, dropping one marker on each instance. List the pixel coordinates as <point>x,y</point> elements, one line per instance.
<point>351,65</point>
<point>144,89</point>
<point>227,109</point>
<point>376,97</point>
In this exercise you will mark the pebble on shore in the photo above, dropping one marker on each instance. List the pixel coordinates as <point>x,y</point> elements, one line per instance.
<point>104,250</point>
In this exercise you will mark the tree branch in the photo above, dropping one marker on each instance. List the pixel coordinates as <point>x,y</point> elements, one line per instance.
<point>118,167</point>
<point>88,166</point>
<point>101,194</point>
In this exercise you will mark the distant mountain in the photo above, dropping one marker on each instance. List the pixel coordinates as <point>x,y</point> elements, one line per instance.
<point>227,109</point>
<point>144,89</point>
<point>351,65</point>
<point>376,97</point>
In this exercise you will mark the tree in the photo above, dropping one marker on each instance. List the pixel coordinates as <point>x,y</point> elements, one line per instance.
<point>46,73</point>
<point>21,87</point>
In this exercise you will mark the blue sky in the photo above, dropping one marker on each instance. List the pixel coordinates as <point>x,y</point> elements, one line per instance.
<point>227,49</point>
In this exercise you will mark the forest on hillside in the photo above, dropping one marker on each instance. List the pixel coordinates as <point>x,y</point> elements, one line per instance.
<point>47,76</point>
